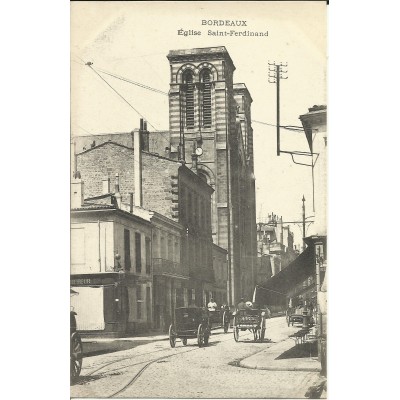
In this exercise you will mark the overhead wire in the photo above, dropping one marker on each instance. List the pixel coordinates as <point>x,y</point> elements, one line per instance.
<point>287,127</point>
<point>120,95</point>
<point>123,98</point>
<point>132,82</point>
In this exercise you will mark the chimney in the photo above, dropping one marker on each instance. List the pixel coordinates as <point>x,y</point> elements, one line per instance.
<point>106,186</point>
<point>137,165</point>
<point>73,160</point>
<point>118,196</point>
<point>77,193</point>
<point>145,137</point>
<point>194,158</point>
<point>141,129</point>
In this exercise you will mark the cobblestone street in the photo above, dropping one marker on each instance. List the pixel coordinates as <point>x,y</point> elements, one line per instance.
<point>156,370</point>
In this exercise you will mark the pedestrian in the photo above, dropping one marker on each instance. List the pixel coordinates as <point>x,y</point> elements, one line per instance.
<point>241,305</point>
<point>212,305</point>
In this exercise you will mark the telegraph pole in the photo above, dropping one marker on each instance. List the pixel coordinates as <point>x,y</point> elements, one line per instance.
<point>278,133</point>
<point>275,77</point>
<point>304,217</point>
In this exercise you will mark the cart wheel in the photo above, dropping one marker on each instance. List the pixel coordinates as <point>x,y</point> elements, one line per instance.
<point>184,341</point>
<point>76,356</point>
<point>200,335</point>
<point>236,333</point>
<point>225,322</point>
<point>172,336</point>
<point>262,335</point>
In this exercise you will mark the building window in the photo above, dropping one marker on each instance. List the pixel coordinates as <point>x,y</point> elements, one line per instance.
<point>127,249</point>
<point>189,97</point>
<point>148,256</point>
<point>189,212</point>
<point>139,301</point>
<point>206,106</point>
<point>138,248</point>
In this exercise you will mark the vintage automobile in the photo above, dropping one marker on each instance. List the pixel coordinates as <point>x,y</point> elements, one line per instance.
<point>190,323</point>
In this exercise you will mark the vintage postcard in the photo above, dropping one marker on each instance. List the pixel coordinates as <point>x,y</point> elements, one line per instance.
<point>198,199</point>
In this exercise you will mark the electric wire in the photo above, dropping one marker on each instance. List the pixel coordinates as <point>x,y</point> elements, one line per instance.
<point>132,82</point>
<point>120,95</point>
<point>127,80</point>
<point>287,127</point>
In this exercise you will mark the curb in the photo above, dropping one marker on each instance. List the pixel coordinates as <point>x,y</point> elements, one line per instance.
<point>277,368</point>
<point>272,365</point>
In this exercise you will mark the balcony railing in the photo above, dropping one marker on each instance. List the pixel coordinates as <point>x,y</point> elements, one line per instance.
<point>167,267</point>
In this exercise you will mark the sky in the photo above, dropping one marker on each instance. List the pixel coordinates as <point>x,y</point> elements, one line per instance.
<point>132,40</point>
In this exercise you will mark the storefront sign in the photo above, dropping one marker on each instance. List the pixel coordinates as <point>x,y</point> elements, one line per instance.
<point>94,280</point>
<point>81,281</point>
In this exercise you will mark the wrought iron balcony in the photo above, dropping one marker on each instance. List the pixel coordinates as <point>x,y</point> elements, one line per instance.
<point>171,268</point>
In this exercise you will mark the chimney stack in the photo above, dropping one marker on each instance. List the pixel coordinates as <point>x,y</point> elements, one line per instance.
<point>106,186</point>
<point>73,160</point>
<point>144,135</point>
<point>118,196</point>
<point>137,164</point>
<point>77,193</point>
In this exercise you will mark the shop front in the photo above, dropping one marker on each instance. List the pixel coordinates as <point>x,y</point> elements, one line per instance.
<point>102,303</point>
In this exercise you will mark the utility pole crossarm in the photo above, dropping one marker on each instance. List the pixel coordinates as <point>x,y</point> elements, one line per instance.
<point>277,75</point>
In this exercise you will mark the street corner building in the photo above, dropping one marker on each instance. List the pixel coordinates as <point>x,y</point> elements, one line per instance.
<point>179,225</point>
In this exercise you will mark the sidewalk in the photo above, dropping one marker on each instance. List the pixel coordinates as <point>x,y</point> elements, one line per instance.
<point>284,356</point>
<point>94,346</point>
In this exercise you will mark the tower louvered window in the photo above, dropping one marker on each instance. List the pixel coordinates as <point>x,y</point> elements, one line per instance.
<point>189,98</point>
<point>206,99</point>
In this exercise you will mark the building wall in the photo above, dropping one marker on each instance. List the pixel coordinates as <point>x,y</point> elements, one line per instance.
<point>314,123</point>
<point>220,267</point>
<point>168,271</point>
<point>100,248</point>
<point>195,216</point>
<point>102,162</point>
<point>92,247</point>
<point>108,159</point>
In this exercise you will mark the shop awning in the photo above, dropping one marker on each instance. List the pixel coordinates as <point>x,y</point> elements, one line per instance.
<point>296,272</point>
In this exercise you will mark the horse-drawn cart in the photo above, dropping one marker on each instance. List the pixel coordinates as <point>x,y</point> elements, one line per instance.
<point>252,320</point>
<point>300,315</point>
